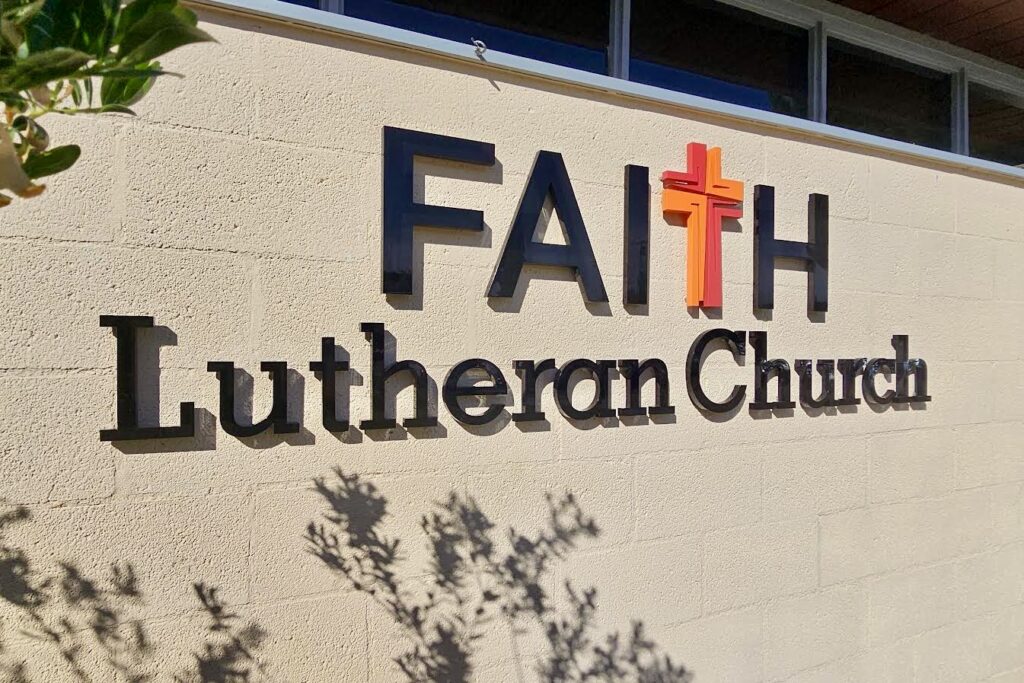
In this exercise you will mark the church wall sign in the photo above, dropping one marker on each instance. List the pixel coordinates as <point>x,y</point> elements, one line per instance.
<point>700,197</point>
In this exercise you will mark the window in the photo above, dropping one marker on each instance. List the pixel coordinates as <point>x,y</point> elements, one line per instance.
<point>717,50</point>
<point>881,95</point>
<point>996,126</point>
<point>709,49</point>
<point>573,34</point>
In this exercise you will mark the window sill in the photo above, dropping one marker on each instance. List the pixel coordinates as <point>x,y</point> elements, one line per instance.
<point>336,23</point>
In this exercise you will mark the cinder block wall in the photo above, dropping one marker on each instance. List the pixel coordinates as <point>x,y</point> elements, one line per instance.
<point>242,209</point>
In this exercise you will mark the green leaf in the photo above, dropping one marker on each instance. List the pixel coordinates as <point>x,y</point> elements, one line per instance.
<point>135,11</point>
<point>39,164</point>
<point>85,25</point>
<point>42,68</point>
<point>53,26</point>
<point>186,15</point>
<point>125,72</point>
<point>157,33</point>
<point>105,109</point>
<point>96,26</point>
<point>14,101</point>
<point>124,90</point>
<point>20,12</point>
<point>114,109</point>
<point>127,86</point>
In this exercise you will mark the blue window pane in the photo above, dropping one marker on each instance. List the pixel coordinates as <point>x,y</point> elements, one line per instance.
<point>696,84</point>
<point>996,126</point>
<point>885,96</point>
<point>573,34</point>
<point>314,4</point>
<point>720,52</point>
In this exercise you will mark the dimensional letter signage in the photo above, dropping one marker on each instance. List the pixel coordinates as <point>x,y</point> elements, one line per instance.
<point>699,196</point>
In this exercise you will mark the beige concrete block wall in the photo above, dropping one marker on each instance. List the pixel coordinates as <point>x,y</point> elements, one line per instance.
<point>242,210</point>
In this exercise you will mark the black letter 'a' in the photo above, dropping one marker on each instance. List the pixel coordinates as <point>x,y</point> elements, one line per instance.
<point>548,178</point>
<point>402,213</point>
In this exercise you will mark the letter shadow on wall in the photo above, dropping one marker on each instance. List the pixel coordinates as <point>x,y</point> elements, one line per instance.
<point>548,220</point>
<point>729,225</point>
<point>584,377</point>
<point>542,380</point>
<point>148,372</point>
<point>245,388</point>
<point>889,376</point>
<point>795,266</point>
<point>499,423</point>
<point>393,387</point>
<point>613,420</point>
<point>451,170</point>
<point>344,381</point>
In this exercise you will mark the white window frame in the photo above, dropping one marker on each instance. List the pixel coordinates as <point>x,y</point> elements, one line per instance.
<point>822,19</point>
<point>963,66</point>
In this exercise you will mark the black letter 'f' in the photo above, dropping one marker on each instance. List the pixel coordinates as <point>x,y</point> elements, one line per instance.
<point>402,213</point>
<point>813,254</point>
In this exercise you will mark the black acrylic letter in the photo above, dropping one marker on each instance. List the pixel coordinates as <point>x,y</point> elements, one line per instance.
<point>529,373</point>
<point>421,384</point>
<point>905,367</point>
<point>813,254</point>
<point>736,342</point>
<point>850,369</point>
<point>453,391</point>
<point>125,327</point>
<point>402,213</point>
<point>278,417</point>
<point>548,178</point>
<point>329,368</point>
<point>764,370</point>
<point>827,370</point>
<point>875,367</point>
<point>598,371</point>
<point>636,255</point>
<point>633,372</point>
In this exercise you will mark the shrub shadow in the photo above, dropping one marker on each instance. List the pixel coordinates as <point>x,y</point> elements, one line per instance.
<point>83,621</point>
<point>472,583</point>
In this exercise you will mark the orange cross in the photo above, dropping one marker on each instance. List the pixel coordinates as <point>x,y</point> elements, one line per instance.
<point>703,198</point>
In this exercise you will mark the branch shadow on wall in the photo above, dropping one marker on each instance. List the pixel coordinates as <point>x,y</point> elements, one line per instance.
<point>82,623</point>
<point>472,583</point>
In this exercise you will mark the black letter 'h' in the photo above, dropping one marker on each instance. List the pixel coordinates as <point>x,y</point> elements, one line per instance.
<point>381,373</point>
<point>813,253</point>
